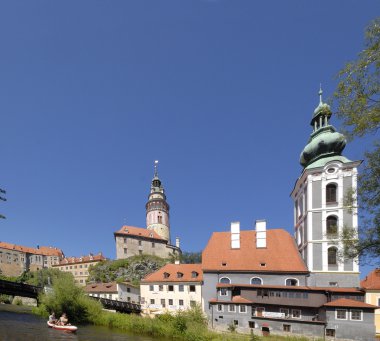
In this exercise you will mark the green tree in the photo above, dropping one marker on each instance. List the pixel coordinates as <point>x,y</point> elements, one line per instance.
<point>357,99</point>
<point>3,199</point>
<point>191,257</point>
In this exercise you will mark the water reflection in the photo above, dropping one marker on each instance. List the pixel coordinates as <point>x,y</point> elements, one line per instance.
<point>16,324</point>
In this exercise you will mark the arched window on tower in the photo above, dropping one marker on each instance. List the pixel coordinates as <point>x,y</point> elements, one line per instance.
<point>332,255</point>
<point>331,193</point>
<point>159,217</point>
<point>332,227</point>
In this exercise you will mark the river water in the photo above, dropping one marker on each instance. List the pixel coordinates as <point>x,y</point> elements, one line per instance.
<point>18,324</point>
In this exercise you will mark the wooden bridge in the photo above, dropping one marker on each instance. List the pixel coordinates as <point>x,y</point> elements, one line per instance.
<point>19,289</point>
<point>120,306</point>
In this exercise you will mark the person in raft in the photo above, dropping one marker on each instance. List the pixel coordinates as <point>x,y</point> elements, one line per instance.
<point>63,320</point>
<point>52,318</point>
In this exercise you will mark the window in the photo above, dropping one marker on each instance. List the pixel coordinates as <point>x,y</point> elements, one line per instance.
<point>259,311</point>
<point>179,274</point>
<point>170,301</point>
<point>151,287</point>
<point>286,328</point>
<point>331,255</point>
<point>223,292</point>
<point>331,227</point>
<point>140,252</point>
<point>152,301</point>
<point>170,287</point>
<point>128,289</point>
<point>181,288</point>
<point>296,313</point>
<point>262,292</point>
<point>192,288</point>
<point>125,250</point>
<point>153,245</point>
<point>225,280</point>
<point>291,282</point>
<point>166,275</point>
<point>330,332</point>
<point>333,284</point>
<point>180,302</point>
<point>125,240</point>
<point>110,296</point>
<point>242,309</point>
<point>193,304</point>
<point>160,287</point>
<point>256,281</point>
<point>236,322</point>
<point>159,219</point>
<point>140,242</point>
<point>331,193</point>
<point>219,307</point>
<point>231,308</point>
<point>194,274</point>
<point>251,324</point>
<point>163,303</point>
<point>356,315</point>
<point>284,311</point>
<point>341,314</point>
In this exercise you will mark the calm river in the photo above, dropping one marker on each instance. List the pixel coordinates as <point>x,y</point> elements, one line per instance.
<point>16,324</point>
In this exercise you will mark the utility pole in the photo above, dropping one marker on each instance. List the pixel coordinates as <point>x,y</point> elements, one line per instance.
<point>3,199</point>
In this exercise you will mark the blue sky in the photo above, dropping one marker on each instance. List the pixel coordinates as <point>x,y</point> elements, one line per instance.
<point>220,92</point>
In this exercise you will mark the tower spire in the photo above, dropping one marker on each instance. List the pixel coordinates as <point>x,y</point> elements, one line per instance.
<point>320,92</point>
<point>155,169</point>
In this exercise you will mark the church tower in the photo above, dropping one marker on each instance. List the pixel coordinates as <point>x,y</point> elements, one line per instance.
<point>319,211</point>
<point>157,209</point>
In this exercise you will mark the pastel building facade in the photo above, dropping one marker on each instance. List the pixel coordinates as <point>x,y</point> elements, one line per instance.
<point>79,266</point>
<point>125,291</point>
<point>172,288</point>
<point>371,285</point>
<point>15,259</point>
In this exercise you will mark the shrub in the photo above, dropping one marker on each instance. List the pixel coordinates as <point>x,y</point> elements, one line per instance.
<point>5,299</point>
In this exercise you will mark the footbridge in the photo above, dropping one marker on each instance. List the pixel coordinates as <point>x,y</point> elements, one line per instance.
<point>19,289</point>
<point>120,306</point>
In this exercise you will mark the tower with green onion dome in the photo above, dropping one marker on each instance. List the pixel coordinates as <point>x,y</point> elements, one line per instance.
<point>319,212</point>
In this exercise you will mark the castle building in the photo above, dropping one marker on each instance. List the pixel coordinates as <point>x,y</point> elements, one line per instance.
<point>155,238</point>
<point>15,259</point>
<point>320,214</point>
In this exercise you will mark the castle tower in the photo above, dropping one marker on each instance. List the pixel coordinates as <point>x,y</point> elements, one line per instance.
<point>319,211</point>
<point>157,209</point>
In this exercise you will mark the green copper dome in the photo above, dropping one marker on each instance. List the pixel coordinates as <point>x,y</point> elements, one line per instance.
<point>325,142</point>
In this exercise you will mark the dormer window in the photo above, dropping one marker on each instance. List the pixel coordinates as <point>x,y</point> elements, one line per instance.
<point>179,274</point>
<point>224,263</point>
<point>151,235</point>
<point>166,275</point>
<point>126,230</point>
<point>194,274</point>
<point>263,264</point>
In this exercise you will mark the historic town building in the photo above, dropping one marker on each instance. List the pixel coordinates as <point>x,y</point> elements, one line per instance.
<point>172,288</point>
<point>79,266</point>
<point>371,285</point>
<point>155,238</point>
<point>319,209</point>
<point>268,281</point>
<point>15,259</point>
<point>124,291</point>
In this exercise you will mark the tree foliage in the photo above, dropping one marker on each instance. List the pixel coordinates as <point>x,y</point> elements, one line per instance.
<point>358,106</point>
<point>191,257</point>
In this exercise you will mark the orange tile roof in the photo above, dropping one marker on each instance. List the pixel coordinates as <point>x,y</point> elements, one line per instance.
<point>85,259</point>
<point>372,280</point>
<point>138,231</point>
<point>42,250</point>
<point>345,302</point>
<point>280,255</point>
<point>172,270</point>
<point>291,287</point>
<point>101,287</point>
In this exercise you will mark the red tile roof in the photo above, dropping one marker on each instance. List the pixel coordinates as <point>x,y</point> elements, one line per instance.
<point>280,255</point>
<point>101,287</point>
<point>291,287</point>
<point>372,280</point>
<point>138,231</point>
<point>345,302</point>
<point>172,271</point>
<point>79,260</point>
<point>42,250</point>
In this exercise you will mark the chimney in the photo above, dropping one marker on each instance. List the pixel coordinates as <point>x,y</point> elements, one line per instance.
<point>235,235</point>
<point>261,233</point>
<point>177,242</point>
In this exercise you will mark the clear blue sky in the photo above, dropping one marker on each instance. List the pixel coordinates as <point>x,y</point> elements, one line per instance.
<point>220,92</point>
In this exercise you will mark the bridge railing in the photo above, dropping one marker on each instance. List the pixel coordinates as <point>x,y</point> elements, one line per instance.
<point>119,305</point>
<point>19,289</point>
